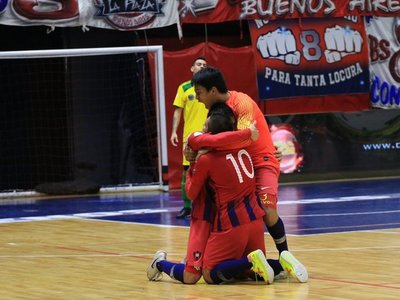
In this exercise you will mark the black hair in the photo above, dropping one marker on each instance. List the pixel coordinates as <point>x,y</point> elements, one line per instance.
<point>221,118</point>
<point>197,58</point>
<point>210,77</point>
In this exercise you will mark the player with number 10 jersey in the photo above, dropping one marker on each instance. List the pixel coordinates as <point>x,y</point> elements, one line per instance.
<point>262,150</point>
<point>229,176</point>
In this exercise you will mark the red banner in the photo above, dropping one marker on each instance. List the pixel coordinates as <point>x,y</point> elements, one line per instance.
<point>177,70</point>
<point>215,11</point>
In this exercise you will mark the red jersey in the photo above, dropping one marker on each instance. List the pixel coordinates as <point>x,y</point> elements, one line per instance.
<point>203,207</point>
<point>230,178</point>
<point>246,111</point>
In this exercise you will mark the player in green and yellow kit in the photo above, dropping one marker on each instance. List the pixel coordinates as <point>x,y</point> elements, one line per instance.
<point>194,116</point>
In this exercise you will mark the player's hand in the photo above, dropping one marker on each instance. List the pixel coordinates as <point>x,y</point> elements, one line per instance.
<point>174,139</point>
<point>340,42</point>
<point>278,154</point>
<point>201,152</point>
<point>279,44</point>
<point>189,153</point>
<point>254,131</point>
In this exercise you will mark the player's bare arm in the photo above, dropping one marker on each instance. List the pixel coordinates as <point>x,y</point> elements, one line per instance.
<point>175,124</point>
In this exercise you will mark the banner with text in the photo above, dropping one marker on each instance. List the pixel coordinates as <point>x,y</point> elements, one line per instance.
<point>310,57</point>
<point>129,14</point>
<point>215,11</point>
<point>384,48</point>
<point>122,15</point>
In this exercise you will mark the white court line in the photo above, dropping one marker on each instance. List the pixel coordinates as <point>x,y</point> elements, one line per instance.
<point>340,199</point>
<point>90,215</point>
<point>345,249</point>
<point>343,214</point>
<point>65,255</point>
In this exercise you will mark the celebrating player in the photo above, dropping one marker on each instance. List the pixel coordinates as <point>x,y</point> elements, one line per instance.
<point>210,87</point>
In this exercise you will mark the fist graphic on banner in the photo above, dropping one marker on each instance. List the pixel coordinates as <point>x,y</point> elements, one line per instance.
<point>279,44</point>
<point>340,42</point>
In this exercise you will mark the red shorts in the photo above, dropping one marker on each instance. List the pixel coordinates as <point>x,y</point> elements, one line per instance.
<point>234,243</point>
<point>267,185</point>
<point>198,235</point>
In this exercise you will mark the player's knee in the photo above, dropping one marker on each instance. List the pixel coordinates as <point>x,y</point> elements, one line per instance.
<point>207,276</point>
<point>271,212</point>
<point>190,278</point>
<point>271,216</point>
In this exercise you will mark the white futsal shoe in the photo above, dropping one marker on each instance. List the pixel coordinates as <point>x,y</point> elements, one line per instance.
<point>153,273</point>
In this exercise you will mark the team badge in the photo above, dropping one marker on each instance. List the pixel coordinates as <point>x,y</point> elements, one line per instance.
<point>197,255</point>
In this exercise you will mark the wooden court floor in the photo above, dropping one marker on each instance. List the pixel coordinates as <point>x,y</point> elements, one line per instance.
<point>90,259</point>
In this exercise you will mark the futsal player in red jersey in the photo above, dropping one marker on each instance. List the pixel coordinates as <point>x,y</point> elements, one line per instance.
<point>210,88</point>
<point>189,271</point>
<point>236,242</point>
<point>238,230</point>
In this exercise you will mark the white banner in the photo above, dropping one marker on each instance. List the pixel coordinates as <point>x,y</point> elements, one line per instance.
<point>384,47</point>
<point>127,14</point>
<point>123,15</point>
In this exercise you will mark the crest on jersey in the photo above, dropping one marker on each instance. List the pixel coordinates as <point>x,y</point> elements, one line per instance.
<point>197,255</point>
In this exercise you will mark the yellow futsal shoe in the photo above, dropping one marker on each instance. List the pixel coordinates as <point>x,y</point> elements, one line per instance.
<point>261,266</point>
<point>294,268</point>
